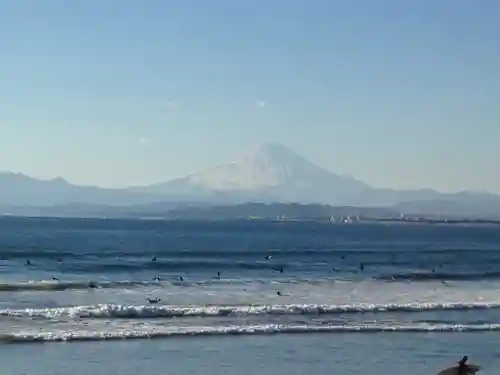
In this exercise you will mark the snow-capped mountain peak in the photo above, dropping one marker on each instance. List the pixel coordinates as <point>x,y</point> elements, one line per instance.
<point>266,166</point>
<point>271,172</point>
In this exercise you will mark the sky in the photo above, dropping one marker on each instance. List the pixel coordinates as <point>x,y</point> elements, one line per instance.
<point>401,94</point>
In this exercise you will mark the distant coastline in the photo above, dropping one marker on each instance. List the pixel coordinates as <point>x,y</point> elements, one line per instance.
<point>379,221</point>
<point>274,212</point>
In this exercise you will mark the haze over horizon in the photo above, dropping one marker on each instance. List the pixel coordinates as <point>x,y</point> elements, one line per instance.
<point>126,93</point>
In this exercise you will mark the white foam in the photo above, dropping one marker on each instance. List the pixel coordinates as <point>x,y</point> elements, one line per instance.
<point>106,311</point>
<point>164,332</point>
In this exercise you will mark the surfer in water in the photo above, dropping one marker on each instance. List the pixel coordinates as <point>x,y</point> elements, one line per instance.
<point>463,369</point>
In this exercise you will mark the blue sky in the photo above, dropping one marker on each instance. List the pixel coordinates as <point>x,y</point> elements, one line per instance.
<point>122,92</point>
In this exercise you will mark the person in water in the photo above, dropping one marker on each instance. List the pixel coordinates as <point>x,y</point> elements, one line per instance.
<point>463,369</point>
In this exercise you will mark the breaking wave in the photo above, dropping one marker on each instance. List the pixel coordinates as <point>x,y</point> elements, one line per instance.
<point>82,335</point>
<point>107,311</point>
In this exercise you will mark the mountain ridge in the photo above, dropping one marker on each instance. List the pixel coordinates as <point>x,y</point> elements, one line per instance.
<point>290,178</point>
<point>270,173</point>
<point>20,189</point>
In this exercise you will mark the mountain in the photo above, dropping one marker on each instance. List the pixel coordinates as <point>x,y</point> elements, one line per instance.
<point>17,189</point>
<point>270,173</point>
<point>274,173</point>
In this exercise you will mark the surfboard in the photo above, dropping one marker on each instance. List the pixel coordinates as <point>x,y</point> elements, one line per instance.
<point>454,370</point>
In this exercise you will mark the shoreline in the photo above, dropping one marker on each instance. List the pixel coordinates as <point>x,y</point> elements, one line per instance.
<point>359,221</point>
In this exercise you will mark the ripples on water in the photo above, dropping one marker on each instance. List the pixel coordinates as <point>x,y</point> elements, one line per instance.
<point>224,278</point>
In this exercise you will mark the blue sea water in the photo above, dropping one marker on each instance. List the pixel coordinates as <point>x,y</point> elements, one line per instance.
<point>355,299</point>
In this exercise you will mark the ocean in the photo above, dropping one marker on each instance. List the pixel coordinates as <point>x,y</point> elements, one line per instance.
<point>245,297</point>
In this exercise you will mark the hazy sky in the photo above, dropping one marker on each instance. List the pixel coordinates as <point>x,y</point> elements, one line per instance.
<point>119,92</point>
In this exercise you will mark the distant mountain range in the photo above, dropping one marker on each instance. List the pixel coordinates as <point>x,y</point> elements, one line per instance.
<point>270,173</point>
<point>20,190</point>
